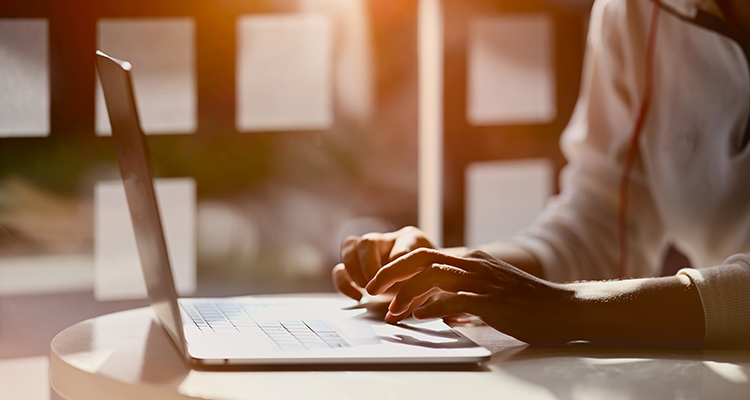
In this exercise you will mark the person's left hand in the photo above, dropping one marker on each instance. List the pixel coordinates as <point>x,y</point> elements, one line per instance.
<point>502,296</point>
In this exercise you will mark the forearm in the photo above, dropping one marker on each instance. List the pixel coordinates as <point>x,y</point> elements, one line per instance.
<point>651,312</point>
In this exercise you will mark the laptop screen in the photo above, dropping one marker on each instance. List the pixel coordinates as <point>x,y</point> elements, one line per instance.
<point>135,168</point>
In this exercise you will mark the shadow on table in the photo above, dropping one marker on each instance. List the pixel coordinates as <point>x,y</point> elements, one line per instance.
<point>587,372</point>
<point>160,365</point>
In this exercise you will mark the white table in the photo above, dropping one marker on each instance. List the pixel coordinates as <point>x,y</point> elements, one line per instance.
<point>127,355</point>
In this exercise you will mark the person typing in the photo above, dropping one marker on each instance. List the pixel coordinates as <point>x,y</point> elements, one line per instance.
<point>657,154</point>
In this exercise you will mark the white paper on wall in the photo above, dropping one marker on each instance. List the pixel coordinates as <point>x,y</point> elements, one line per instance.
<point>284,72</point>
<point>511,72</point>
<point>503,197</point>
<point>118,273</point>
<point>162,52</point>
<point>41,274</point>
<point>24,77</point>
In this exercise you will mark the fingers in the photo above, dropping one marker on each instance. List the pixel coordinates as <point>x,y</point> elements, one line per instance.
<point>344,283</point>
<point>408,239</point>
<point>362,255</point>
<point>445,278</point>
<point>369,252</point>
<point>350,257</point>
<point>406,267</point>
<point>417,302</point>
<point>456,304</point>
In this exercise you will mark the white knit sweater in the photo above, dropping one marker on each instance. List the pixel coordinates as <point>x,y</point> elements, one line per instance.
<point>691,183</point>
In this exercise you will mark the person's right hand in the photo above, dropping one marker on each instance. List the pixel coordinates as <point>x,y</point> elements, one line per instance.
<point>362,257</point>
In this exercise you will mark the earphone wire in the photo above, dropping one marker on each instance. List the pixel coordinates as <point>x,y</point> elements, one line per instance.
<point>622,222</point>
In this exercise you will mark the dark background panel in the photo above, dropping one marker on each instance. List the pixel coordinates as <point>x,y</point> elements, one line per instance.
<point>464,143</point>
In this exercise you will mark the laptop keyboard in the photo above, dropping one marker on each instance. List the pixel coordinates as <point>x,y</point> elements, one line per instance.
<point>288,334</point>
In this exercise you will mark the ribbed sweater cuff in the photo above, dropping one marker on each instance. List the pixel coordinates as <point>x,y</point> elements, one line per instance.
<point>725,294</point>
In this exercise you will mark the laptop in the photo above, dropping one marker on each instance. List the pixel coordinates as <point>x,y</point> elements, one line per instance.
<point>249,330</point>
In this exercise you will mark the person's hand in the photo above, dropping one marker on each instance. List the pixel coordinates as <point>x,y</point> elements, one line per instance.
<point>362,257</point>
<point>502,296</point>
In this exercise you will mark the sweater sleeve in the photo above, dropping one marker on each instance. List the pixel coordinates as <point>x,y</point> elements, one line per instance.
<point>726,301</point>
<point>576,236</point>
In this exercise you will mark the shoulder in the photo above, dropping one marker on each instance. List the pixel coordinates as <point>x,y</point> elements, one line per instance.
<point>619,17</point>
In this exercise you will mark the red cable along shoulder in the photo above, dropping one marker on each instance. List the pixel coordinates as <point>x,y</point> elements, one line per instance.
<point>622,223</point>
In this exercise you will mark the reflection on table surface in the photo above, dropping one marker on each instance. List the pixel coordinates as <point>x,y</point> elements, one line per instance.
<point>130,354</point>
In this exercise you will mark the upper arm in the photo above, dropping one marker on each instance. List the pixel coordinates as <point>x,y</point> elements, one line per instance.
<point>576,237</point>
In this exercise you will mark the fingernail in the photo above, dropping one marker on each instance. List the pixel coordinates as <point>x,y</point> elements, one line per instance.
<point>395,311</point>
<point>391,319</point>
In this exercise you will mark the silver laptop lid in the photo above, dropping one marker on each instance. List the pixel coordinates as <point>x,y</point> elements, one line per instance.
<point>135,168</point>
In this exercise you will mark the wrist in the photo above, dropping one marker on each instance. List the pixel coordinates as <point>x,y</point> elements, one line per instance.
<point>571,312</point>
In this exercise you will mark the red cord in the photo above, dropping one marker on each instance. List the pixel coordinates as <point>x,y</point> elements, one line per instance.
<point>622,224</point>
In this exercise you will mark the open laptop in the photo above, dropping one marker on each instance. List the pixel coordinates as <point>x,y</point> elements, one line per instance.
<point>248,330</point>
